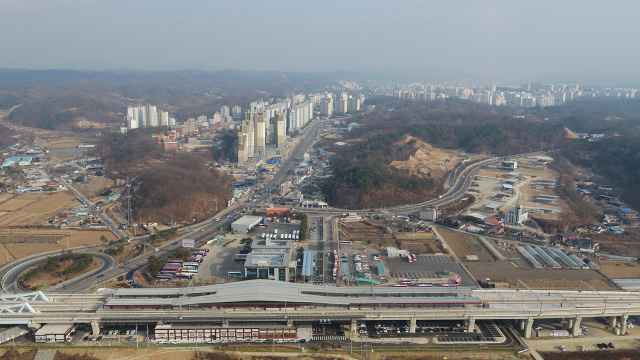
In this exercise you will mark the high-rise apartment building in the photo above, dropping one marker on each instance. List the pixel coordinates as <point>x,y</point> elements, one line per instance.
<point>236,112</point>
<point>224,112</point>
<point>152,116</point>
<point>326,107</point>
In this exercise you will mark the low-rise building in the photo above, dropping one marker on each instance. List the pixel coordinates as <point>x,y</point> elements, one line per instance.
<point>395,252</point>
<point>246,223</point>
<point>52,333</point>
<point>429,213</point>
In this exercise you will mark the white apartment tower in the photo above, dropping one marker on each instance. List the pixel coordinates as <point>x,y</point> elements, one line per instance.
<point>236,112</point>
<point>224,112</point>
<point>152,116</point>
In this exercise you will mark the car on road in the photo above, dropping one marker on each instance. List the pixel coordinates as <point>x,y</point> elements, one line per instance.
<point>562,348</point>
<point>600,346</point>
<point>101,275</point>
<point>611,346</point>
<point>85,338</point>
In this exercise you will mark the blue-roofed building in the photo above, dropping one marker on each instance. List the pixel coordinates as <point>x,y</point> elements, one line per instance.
<point>628,213</point>
<point>8,163</point>
<point>321,150</point>
<point>25,161</point>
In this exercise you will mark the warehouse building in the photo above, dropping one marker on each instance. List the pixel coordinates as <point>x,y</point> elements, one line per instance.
<point>246,223</point>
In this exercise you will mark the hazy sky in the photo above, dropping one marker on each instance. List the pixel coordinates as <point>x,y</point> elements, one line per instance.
<point>499,40</point>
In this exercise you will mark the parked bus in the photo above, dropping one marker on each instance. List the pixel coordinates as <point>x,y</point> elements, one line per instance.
<point>401,285</point>
<point>189,271</point>
<point>195,267</point>
<point>234,274</point>
<point>405,281</point>
<point>425,285</point>
<point>409,257</point>
<point>345,242</point>
<point>335,272</point>
<point>414,257</point>
<point>184,277</point>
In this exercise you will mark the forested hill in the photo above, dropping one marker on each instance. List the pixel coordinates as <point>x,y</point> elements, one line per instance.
<point>178,186</point>
<point>364,176</point>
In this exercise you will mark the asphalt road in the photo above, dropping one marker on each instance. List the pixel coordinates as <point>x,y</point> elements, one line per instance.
<point>11,274</point>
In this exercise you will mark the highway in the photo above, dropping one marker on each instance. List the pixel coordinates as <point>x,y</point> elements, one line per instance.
<point>11,274</point>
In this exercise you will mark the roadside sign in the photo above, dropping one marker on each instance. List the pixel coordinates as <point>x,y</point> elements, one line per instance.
<point>188,243</point>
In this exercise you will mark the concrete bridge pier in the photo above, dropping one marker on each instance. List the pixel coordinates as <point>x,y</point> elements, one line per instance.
<point>575,326</point>
<point>33,326</point>
<point>289,322</point>
<point>570,324</point>
<point>613,321</point>
<point>521,325</point>
<point>412,325</point>
<point>623,323</point>
<point>527,327</point>
<point>225,323</point>
<point>471,324</point>
<point>354,326</point>
<point>95,327</point>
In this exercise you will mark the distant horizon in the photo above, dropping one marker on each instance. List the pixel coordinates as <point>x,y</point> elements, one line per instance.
<point>499,41</point>
<point>600,79</point>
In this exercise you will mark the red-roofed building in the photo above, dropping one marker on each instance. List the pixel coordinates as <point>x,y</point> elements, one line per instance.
<point>277,210</point>
<point>492,221</point>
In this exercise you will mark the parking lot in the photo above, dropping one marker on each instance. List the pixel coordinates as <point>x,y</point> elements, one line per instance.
<point>220,260</point>
<point>427,266</point>
<point>444,331</point>
<point>358,260</point>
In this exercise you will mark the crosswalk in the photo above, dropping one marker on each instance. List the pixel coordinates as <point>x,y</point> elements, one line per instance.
<point>326,284</point>
<point>328,337</point>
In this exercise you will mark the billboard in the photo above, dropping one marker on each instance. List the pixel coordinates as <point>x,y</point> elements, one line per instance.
<point>188,243</point>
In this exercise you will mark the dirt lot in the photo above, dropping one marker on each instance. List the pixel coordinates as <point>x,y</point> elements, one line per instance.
<point>30,209</point>
<point>421,246</point>
<point>95,186</point>
<point>366,230</point>
<point>50,279</point>
<point>463,245</point>
<point>164,353</point>
<point>592,355</point>
<point>620,269</point>
<point>428,159</point>
<point>27,242</point>
<point>538,278</point>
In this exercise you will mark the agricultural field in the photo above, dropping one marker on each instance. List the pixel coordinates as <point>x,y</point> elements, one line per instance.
<point>538,278</point>
<point>462,245</point>
<point>34,209</point>
<point>25,242</point>
<point>620,269</point>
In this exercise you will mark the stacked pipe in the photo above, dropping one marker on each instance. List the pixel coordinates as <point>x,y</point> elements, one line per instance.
<point>548,259</point>
<point>566,259</point>
<point>528,256</point>
<point>491,249</point>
